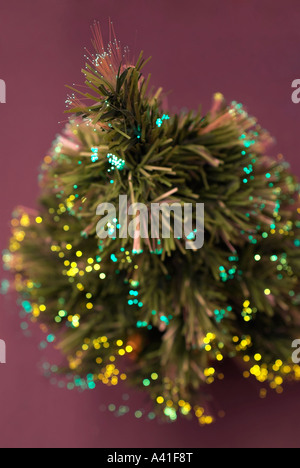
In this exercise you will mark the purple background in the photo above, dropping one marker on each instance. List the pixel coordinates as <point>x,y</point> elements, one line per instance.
<point>249,50</point>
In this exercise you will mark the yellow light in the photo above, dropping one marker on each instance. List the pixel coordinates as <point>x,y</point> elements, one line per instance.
<point>267,292</point>
<point>257,357</point>
<point>36,311</point>
<point>199,412</point>
<point>255,370</point>
<point>114,381</point>
<point>47,159</point>
<point>66,228</point>
<point>187,407</point>
<point>20,236</point>
<point>218,96</point>
<point>119,343</point>
<point>25,221</point>
<point>38,220</point>
<point>68,246</point>
<point>79,253</point>
<point>129,349</point>
<point>89,306</point>
<point>208,420</point>
<point>160,400</point>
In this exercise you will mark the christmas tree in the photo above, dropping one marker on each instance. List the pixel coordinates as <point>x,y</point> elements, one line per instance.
<point>151,310</point>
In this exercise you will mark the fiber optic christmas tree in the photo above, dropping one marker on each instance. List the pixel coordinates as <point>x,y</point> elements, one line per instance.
<point>149,310</point>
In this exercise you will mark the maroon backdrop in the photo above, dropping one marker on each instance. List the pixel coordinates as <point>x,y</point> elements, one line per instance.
<point>249,50</point>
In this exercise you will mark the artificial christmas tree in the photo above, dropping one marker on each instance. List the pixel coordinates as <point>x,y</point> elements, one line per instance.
<point>164,314</point>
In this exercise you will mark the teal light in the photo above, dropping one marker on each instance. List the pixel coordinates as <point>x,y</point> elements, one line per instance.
<point>115,162</point>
